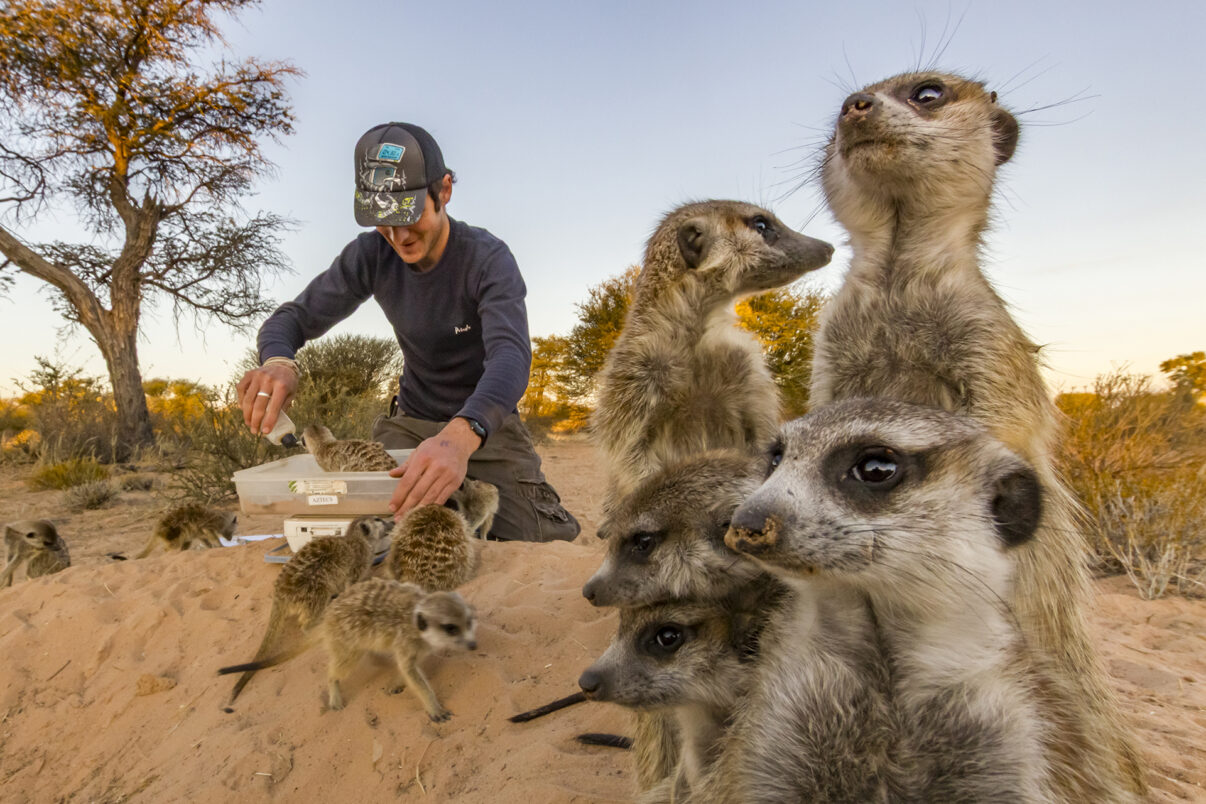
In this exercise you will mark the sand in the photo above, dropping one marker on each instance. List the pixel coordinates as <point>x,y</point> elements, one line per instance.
<point>108,689</point>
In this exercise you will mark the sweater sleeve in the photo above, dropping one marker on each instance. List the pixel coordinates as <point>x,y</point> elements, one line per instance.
<point>330,297</point>
<point>508,351</point>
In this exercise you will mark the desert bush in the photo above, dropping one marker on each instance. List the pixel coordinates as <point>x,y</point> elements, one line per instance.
<point>66,474</point>
<point>140,482</point>
<point>14,417</point>
<point>88,496</point>
<point>21,447</point>
<point>175,406</point>
<point>73,413</point>
<point>1137,460</point>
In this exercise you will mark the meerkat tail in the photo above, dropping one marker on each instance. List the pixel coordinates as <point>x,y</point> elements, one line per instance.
<point>605,740</point>
<point>548,708</point>
<point>146,551</point>
<point>271,661</point>
<point>269,646</point>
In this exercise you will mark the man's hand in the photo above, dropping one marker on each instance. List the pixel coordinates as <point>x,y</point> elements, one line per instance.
<point>263,393</point>
<point>435,469</point>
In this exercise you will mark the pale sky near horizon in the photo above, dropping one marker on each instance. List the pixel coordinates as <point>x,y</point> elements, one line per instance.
<point>573,127</point>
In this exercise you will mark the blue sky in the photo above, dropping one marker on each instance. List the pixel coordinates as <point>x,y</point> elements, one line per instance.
<point>573,126</point>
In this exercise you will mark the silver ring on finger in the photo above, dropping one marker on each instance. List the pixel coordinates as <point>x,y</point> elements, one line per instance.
<point>261,393</point>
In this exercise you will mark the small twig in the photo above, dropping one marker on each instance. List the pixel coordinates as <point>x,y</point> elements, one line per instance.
<point>61,669</point>
<point>107,589</point>
<point>418,765</point>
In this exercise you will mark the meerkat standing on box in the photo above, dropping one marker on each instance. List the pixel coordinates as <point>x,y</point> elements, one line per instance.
<point>909,172</point>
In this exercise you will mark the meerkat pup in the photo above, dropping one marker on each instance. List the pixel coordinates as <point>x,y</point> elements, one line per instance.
<point>349,455</point>
<point>35,543</point>
<point>477,501</point>
<point>682,377</point>
<point>385,616</point>
<point>690,660</point>
<point>432,546</point>
<point>322,569</point>
<point>191,526</point>
<point>909,172</point>
<point>893,524</point>
<point>665,539</point>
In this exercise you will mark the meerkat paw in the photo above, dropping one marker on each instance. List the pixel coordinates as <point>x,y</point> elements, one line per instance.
<point>440,715</point>
<point>396,689</point>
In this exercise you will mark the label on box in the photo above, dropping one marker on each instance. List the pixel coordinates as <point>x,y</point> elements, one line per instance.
<point>323,499</point>
<point>318,487</point>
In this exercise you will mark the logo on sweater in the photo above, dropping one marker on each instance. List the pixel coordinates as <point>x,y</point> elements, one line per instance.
<point>461,330</point>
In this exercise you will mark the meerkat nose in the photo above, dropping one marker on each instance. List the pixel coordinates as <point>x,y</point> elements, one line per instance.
<point>858,106</point>
<point>590,682</point>
<point>752,531</point>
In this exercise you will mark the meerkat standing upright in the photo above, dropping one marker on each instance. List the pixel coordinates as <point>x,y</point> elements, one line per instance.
<point>682,377</point>
<point>36,543</point>
<point>189,526</point>
<point>349,455</point>
<point>323,568</point>
<point>477,501</point>
<point>909,172</point>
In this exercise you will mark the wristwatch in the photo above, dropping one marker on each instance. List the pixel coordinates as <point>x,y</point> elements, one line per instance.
<point>476,427</point>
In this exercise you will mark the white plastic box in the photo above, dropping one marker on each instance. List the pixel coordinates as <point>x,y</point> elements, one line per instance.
<point>301,529</point>
<point>296,486</point>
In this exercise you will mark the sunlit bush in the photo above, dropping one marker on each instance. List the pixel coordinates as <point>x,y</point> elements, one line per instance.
<point>66,474</point>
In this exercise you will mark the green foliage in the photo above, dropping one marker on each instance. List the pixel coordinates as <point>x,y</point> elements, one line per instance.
<point>88,496</point>
<point>66,474</point>
<point>1188,374</point>
<point>600,321</point>
<point>785,323</point>
<point>1135,458</point>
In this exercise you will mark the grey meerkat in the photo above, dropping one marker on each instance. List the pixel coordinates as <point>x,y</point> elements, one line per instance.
<point>322,569</point>
<point>385,616</point>
<point>477,501</point>
<point>909,173</point>
<point>35,543</point>
<point>348,455</point>
<point>190,526</point>
<point>688,659</point>
<point>682,376</point>
<point>432,546</point>
<point>901,672</point>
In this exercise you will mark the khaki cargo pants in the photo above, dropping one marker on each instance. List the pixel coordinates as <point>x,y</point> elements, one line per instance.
<point>528,508</point>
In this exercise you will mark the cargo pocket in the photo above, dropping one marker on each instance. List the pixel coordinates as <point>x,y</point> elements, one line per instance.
<point>551,517</point>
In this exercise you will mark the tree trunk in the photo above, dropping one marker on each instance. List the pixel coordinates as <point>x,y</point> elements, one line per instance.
<point>133,418</point>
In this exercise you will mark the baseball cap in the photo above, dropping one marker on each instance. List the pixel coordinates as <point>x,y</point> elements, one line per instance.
<point>394,164</point>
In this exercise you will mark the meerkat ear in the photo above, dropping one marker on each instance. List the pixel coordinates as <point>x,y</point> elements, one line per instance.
<point>692,243</point>
<point>420,622</point>
<point>1005,134</point>
<point>1017,506</point>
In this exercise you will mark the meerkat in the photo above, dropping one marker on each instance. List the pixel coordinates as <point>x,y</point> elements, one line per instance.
<point>35,543</point>
<point>350,455</point>
<point>189,527</point>
<point>432,546</point>
<point>900,672</point>
<point>665,539</point>
<point>385,616</point>
<point>909,173</point>
<point>322,569</point>
<point>477,501</point>
<point>682,377</point>
<point>691,660</point>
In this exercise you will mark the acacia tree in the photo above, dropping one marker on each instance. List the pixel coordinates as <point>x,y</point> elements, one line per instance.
<point>103,105</point>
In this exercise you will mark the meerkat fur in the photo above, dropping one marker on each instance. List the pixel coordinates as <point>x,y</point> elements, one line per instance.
<point>349,455</point>
<point>322,569</point>
<point>189,527</point>
<point>36,543</point>
<point>909,173</point>
<point>433,546</point>
<point>477,501</point>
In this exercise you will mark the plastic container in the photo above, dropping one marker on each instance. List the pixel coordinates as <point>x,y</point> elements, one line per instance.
<point>301,529</point>
<point>296,486</point>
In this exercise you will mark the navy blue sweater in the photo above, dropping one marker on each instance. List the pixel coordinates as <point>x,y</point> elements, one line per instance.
<point>462,326</point>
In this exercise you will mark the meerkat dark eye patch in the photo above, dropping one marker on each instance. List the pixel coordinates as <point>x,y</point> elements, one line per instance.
<point>774,456</point>
<point>929,94</point>
<point>877,467</point>
<point>642,543</point>
<point>867,473</point>
<point>665,639</point>
<point>763,226</point>
<point>1017,506</point>
<point>452,630</point>
<point>420,622</point>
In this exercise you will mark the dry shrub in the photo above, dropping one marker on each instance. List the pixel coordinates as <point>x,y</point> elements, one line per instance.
<point>87,496</point>
<point>1137,459</point>
<point>66,474</point>
<point>21,447</point>
<point>74,413</point>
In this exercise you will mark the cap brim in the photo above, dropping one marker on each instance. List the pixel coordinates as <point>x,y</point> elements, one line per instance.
<point>389,209</point>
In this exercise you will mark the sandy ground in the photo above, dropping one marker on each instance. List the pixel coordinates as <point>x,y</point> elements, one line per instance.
<point>108,691</point>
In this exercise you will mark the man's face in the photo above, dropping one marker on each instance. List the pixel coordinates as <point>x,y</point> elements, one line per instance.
<point>422,243</point>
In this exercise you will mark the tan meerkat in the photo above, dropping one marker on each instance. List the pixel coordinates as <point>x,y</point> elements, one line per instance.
<point>189,527</point>
<point>477,501</point>
<point>323,568</point>
<point>348,455</point>
<point>35,543</point>
<point>432,546</point>
<point>893,524</point>
<point>683,377</point>
<point>690,660</point>
<point>385,616</point>
<point>909,172</point>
